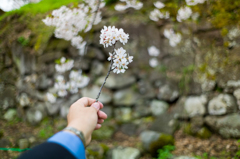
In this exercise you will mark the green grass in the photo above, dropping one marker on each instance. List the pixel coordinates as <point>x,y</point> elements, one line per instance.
<point>23,41</point>
<point>46,129</point>
<point>42,7</point>
<point>205,156</point>
<point>165,153</point>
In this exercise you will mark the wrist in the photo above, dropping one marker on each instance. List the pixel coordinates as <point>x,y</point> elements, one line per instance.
<point>79,128</point>
<point>76,132</point>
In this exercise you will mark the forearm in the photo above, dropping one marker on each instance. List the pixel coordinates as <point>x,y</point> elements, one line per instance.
<point>61,145</point>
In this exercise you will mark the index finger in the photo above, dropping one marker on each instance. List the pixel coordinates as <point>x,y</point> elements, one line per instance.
<point>85,101</point>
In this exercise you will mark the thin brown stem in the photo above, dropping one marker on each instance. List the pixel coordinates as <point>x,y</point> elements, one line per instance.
<point>109,71</point>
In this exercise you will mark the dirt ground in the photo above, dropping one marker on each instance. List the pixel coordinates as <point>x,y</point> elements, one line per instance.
<point>185,145</point>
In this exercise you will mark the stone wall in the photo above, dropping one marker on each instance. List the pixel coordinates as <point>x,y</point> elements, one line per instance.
<point>195,86</point>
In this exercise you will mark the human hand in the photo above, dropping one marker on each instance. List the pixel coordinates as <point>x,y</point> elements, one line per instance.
<point>85,115</point>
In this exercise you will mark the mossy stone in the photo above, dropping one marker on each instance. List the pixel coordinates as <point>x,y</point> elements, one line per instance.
<point>97,151</point>
<point>187,129</point>
<point>204,133</point>
<point>104,133</point>
<point>162,141</point>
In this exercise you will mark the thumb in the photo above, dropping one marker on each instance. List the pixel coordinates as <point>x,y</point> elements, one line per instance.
<point>96,106</point>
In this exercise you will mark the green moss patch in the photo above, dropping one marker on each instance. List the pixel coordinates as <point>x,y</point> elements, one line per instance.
<point>163,140</point>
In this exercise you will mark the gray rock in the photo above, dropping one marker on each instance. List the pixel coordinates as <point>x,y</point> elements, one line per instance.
<point>222,104</point>
<point>129,129</point>
<point>123,114</point>
<point>123,153</point>
<point>24,100</point>
<point>236,93</point>
<point>165,123</point>
<point>234,84</point>
<point>42,82</point>
<point>10,114</point>
<point>125,97</point>
<point>64,111</point>
<point>168,93</point>
<point>97,68</point>
<point>178,109</point>
<point>53,109</point>
<point>50,56</point>
<point>195,105</point>
<point>146,90</point>
<point>29,90</point>
<point>108,110</point>
<point>197,121</point>
<point>208,85</point>
<point>66,105</point>
<point>25,62</point>
<point>147,137</point>
<point>7,102</point>
<point>142,108</point>
<point>227,126</point>
<point>117,81</point>
<point>23,143</point>
<point>82,63</point>
<point>105,96</point>
<point>158,107</point>
<point>36,114</point>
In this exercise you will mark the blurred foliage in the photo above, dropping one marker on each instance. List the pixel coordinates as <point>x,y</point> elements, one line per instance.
<point>110,2</point>
<point>41,7</point>
<point>186,78</point>
<point>23,41</point>
<point>46,129</point>
<point>224,12</point>
<point>165,152</point>
<point>205,156</point>
<point>163,140</point>
<point>237,155</point>
<point>15,121</point>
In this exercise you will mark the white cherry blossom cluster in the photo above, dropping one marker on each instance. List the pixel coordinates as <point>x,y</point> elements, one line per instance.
<point>154,52</point>
<point>184,13</point>
<point>68,22</point>
<point>61,86</point>
<point>156,14</point>
<point>174,38</point>
<point>120,60</point>
<point>51,97</point>
<point>194,2</point>
<point>77,80</point>
<point>110,35</point>
<point>8,5</point>
<point>129,4</point>
<point>159,4</point>
<point>64,65</point>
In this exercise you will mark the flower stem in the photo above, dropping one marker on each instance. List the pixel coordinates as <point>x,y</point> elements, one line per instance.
<point>109,71</point>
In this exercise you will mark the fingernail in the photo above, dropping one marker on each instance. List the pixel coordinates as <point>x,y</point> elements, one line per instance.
<point>96,105</point>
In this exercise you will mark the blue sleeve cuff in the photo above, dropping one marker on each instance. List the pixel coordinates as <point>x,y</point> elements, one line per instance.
<point>70,142</point>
